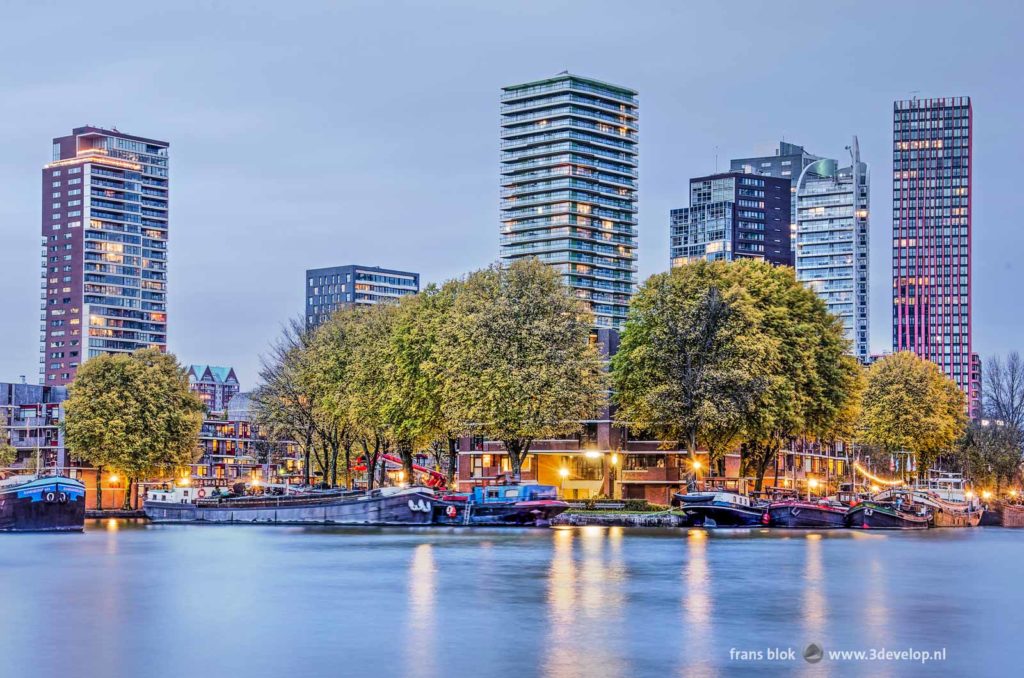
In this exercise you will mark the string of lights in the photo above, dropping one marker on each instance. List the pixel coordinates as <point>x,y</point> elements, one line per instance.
<point>881,481</point>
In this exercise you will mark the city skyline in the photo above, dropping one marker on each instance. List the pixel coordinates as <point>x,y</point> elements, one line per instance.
<point>335,189</point>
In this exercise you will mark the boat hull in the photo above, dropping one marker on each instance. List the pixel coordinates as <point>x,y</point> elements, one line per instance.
<point>942,517</point>
<point>804,515</point>
<point>712,515</point>
<point>43,505</point>
<point>511,514</point>
<point>868,517</point>
<point>409,508</point>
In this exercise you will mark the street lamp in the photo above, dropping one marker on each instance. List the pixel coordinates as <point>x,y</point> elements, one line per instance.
<point>811,485</point>
<point>563,474</point>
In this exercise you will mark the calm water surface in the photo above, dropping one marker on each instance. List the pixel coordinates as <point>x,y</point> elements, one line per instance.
<point>161,601</point>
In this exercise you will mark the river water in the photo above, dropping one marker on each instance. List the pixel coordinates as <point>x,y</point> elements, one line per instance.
<point>127,599</point>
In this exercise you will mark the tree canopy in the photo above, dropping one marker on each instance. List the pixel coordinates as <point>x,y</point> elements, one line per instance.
<point>518,358</point>
<point>910,406</point>
<point>133,413</point>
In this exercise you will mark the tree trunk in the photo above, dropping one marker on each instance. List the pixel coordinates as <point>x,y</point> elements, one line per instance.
<point>453,461</point>
<point>517,450</point>
<point>405,452</point>
<point>126,505</point>
<point>335,450</point>
<point>348,465</point>
<point>99,488</point>
<point>307,454</point>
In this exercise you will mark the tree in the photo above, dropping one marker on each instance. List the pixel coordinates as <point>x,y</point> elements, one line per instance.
<point>1004,390</point>
<point>910,406</point>
<point>134,413</point>
<point>415,379</point>
<point>518,358</point>
<point>8,455</point>
<point>808,382</point>
<point>990,452</point>
<point>691,358</point>
<point>283,403</point>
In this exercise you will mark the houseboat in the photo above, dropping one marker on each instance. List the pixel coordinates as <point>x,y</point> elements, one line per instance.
<point>382,506</point>
<point>949,505</point>
<point>42,504</point>
<point>878,515</point>
<point>720,509</point>
<point>796,513</point>
<point>512,505</point>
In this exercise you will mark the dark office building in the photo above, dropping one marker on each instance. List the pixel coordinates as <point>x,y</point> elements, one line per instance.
<point>328,289</point>
<point>733,215</point>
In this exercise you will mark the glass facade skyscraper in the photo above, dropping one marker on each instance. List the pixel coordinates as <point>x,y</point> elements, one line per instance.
<point>568,186</point>
<point>104,268</point>
<point>733,215</point>
<point>931,222</point>
<point>832,241</point>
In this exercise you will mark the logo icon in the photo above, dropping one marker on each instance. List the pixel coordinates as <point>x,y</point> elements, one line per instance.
<point>813,653</point>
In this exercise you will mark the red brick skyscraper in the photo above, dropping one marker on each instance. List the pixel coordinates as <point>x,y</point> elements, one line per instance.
<point>931,224</point>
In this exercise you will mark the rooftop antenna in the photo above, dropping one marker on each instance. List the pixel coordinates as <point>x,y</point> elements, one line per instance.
<point>716,159</point>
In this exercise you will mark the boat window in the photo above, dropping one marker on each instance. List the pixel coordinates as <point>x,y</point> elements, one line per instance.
<point>512,493</point>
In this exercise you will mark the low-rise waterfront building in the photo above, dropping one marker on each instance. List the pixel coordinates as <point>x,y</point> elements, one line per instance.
<point>328,289</point>
<point>30,419</point>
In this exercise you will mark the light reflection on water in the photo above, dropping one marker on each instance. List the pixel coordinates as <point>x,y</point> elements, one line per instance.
<point>265,602</point>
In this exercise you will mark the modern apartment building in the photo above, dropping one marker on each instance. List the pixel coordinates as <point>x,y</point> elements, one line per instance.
<point>328,289</point>
<point>104,237</point>
<point>733,215</point>
<point>30,421</point>
<point>931,254</point>
<point>568,186</point>
<point>832,239</point>
<point>789,161</point>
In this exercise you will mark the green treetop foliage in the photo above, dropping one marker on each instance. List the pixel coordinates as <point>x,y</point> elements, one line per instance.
<point>518,357</point>
<point>692,359</point>
<point>8,455</point>
<point>990,453</point>
<point>909,405</point>
<point>133,413</point>
<point>415,376</point>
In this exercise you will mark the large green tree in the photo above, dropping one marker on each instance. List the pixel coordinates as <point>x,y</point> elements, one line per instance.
<point>692,359</point>
<point>990,453</point>
<point>133,413</point>
<point>809,381</point>
<point>910,406</point>
<point>520,364</point>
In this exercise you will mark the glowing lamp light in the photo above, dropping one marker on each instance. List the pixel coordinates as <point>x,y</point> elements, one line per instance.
<point>696,465</point>
<point>968,494</point>
<point>113,478</point>
<point>813,482</point>
<point>1013,493</point>
<point>592,454</point>
<point>615,459</point>
<point>255,482</point>
<point>184,481</point>
<point>564,472</point>
<point>401,476</point>
<point>876,488</point>
<point>986,495</point>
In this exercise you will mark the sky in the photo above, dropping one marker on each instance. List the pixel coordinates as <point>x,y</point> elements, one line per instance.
<point>308,134</point>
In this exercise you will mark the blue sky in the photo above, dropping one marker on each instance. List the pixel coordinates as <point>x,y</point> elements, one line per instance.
<point>309,134</point>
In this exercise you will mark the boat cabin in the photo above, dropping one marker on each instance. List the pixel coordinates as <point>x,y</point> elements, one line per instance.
<point>494,494</point>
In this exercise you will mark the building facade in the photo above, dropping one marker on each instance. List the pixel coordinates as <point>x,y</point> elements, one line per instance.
<point>30,420</point>
<point>931,254</point>
<point>104,230</point>
<point>788,162</point>
<point>328,289</point>
<point>569,186</point>
<point>214,385</point>
<point>733,215</point>
<point>832,243</point>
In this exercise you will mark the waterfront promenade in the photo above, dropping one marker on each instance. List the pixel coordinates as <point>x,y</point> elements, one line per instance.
<point>160,601</point>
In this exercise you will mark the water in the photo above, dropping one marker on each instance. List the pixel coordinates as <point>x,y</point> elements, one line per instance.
<point>161,601</point>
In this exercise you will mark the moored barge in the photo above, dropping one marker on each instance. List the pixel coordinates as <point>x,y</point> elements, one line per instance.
<point>47,504</point>
<point>794,513</point>
<point>720,509</point>
<point>501,505</point>
<point>872,515</point>
<point>383,506</point>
